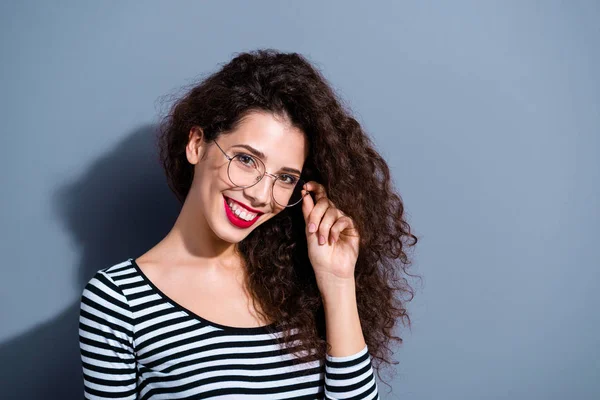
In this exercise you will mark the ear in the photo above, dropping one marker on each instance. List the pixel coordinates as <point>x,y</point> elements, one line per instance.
<point>195,145</point>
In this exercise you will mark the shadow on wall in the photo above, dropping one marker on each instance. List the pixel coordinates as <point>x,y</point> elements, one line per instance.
<point>119,208</point>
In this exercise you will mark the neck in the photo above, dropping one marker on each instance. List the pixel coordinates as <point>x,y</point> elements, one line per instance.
<point>192,239</point>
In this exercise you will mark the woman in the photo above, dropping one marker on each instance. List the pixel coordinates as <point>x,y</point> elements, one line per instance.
<point>277,280</point>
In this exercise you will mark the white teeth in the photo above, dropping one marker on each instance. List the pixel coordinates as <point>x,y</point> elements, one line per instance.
<point>240,212</point>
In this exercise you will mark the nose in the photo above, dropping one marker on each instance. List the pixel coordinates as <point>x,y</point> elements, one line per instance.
<point>262,191</point>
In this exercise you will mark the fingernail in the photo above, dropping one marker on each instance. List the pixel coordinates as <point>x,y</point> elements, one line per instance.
<point>312,227</point>
<point>321,239</point>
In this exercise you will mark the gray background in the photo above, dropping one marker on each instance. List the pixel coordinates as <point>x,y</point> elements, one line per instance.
<point>488,113</point>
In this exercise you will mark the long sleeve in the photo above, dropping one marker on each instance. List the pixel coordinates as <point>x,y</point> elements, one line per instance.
<point>350,377</point>
<point>106,341</point>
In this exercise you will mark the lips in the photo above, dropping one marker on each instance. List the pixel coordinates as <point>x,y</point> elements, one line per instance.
<point>244,206</point>
<point>235,220</point>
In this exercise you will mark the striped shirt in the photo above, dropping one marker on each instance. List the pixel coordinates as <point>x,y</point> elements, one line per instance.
<point>137,343</point>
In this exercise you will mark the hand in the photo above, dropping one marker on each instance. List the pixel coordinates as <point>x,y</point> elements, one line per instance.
<point>333,261</point>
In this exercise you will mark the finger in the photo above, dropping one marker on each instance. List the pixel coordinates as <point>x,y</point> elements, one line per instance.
<point>316,215</point>
<point>328,220</point>
<point>307,204</point>
<point>316,189</point>
<point>338,227</point>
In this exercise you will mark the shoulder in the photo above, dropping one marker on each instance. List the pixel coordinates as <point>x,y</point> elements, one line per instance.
<point>104,288</point>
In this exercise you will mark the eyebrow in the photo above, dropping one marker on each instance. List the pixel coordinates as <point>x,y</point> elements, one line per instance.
<point>262,155</point>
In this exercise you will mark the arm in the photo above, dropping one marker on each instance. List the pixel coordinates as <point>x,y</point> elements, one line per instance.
<point>348,370</point>
<point>106,341</point>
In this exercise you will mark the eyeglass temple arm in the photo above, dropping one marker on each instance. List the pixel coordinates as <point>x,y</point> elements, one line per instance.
<point>222,151</point>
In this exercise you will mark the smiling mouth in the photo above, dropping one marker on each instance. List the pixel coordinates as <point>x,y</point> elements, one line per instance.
<point>259,213</point>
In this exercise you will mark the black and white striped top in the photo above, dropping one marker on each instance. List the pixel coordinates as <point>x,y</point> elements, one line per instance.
<point>137,343</point>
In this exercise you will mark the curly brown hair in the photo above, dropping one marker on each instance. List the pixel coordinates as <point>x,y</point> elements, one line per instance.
<point>342,158</point>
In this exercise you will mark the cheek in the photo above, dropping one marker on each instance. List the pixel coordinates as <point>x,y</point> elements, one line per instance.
<point>206,193</point>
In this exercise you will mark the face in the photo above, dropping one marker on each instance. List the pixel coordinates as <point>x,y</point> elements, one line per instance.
<point>283,146</point>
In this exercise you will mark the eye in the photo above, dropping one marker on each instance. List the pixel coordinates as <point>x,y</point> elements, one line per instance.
<point>246,159</point>
<point>288,179</point>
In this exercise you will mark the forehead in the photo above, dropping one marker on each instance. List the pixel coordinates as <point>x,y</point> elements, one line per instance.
<point>282,143</point>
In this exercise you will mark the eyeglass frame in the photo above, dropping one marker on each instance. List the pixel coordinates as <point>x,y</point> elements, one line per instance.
<point>265,173</point>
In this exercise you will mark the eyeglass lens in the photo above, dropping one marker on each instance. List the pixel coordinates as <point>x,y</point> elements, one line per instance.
<point>245,170</point>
